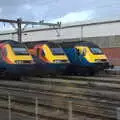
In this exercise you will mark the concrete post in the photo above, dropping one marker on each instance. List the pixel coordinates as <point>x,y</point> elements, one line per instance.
<point>9,107</point>
<point>118,113</point>
<point>70,110</point>
<point>36,108</point>
<point>81,37</point>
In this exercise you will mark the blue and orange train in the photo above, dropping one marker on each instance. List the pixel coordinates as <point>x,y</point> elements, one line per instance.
<point>49,57</point>
<point>15,59</point>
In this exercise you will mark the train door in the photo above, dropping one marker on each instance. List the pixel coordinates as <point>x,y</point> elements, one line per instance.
<point>81,51</point>
<point>42,55</point>
<point>38,52</point>
<point>2,64</point>
<point>0,54</point>
<point>81,55</point>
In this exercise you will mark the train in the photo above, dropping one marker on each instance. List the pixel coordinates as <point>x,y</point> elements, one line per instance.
<point>15,60</point>
<point>86,58</point>
<point>50,58</point>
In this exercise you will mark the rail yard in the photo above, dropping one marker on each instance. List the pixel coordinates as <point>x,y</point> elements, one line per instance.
<point>89,98</point>
<point>59,60</point>
<point>58,80</point>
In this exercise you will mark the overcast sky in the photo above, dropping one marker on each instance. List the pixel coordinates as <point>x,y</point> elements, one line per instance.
<point>59,10</point>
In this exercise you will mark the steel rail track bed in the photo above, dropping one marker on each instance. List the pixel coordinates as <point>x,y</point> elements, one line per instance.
<point>94,97</point>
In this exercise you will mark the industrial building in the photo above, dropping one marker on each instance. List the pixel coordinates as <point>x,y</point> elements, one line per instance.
<point>105,33</point>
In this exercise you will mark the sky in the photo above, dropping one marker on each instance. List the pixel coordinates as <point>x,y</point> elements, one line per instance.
<point>65,11</point>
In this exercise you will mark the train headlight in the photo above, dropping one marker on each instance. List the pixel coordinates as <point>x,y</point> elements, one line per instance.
<point>32,62</point>
<point>19,62</point>
<point>97,60</point>
<point>101,60</point>
<point>57,61</point>
<point>61,61</point>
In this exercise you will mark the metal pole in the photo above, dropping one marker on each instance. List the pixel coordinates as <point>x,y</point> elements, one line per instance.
<point>36,108</point>
<point>19,22</point>
<point>70,110</point>
<point>81,37</point>
<point>19,31</point>
<point>9,107</point>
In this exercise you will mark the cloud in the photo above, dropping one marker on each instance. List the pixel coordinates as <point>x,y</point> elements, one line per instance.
<point>75,16</point>
<point>59,10</point>
<point>27,6</point>
<point>0,10</point>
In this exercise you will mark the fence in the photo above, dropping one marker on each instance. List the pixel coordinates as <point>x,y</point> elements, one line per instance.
<point>34,114</point>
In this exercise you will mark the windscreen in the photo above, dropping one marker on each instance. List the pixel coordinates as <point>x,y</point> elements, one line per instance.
<point>20,51</point>
<point>56,49</point>
<point>96,51</point>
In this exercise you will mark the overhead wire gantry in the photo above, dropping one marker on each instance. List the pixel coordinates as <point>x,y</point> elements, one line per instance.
<point>19,23</point>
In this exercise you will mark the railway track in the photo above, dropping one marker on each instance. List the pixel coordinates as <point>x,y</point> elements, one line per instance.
<point>94,97</point>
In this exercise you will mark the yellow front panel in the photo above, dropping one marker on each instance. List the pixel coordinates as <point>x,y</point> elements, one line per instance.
<point>51,57</point>
<point>89,55</point>
<point>12,57</point>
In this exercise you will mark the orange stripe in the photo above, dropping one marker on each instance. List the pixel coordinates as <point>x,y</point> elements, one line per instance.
<point>3,56</point>
<point>40,46</point>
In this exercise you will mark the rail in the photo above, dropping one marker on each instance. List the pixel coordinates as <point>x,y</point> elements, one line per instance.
<point>58,98</point>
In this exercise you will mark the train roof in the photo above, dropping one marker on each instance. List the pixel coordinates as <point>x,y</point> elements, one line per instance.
<point>8,41</point>
<point>49,43</point>
<point>12,43</point>
<point>75,43</point>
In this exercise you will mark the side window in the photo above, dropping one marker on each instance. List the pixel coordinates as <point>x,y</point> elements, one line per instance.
<point>77,51</point>
<point>42,53</point>
<point>82,51</point>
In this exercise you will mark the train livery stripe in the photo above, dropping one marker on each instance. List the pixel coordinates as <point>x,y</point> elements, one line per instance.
<point>41,50</point>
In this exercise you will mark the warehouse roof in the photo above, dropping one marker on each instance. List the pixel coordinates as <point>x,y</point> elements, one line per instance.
<point>68,25</point>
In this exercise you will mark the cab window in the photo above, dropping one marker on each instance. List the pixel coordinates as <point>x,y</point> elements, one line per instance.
<point>42,53</point>
<point>57,51</point>
<point>96,51</point>
<point>20,51</point>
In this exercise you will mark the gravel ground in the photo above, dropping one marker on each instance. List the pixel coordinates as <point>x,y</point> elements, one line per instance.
<point>15,116</point>
<point>18,116</point>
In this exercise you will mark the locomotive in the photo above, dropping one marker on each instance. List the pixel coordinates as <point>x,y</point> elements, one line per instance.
<point>15,59</point>
<point>50,58</point>
<point>86,57</point>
